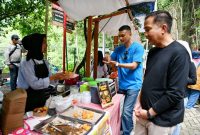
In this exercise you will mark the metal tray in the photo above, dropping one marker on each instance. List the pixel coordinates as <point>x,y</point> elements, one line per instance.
<point>41,127</point>
<point>98,114</point>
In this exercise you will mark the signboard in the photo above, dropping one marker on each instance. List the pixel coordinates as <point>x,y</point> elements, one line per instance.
<point>58,17</point>
<point>104,94</point>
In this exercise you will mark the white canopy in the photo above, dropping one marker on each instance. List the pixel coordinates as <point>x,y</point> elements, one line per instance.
<point>80,9</point>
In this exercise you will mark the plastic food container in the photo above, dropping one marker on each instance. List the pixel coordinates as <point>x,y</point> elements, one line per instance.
<point>86,97</point>
<point>74,89</point>
<point>84,87</point>
<point>87,79</point>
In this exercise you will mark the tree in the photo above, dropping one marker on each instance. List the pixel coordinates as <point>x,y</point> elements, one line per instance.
<point>186,22</point>
<point>20,14</point>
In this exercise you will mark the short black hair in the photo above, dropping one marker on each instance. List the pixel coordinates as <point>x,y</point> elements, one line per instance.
<point>125,27</point>
<point>161,16</point>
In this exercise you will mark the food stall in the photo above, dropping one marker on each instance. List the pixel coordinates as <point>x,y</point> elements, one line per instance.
<point>87,106</point>
<point>72,114</point>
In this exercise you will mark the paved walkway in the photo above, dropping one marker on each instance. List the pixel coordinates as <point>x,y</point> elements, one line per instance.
<point>191,124</point>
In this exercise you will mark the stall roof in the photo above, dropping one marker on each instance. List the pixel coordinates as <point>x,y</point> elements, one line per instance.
<point>80,9</point>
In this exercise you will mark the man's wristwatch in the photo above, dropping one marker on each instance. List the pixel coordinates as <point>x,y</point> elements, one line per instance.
<point>117,64</point>
<point>149,116</point>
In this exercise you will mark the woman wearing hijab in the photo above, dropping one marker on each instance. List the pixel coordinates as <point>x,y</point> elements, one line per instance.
<point>34,74</point>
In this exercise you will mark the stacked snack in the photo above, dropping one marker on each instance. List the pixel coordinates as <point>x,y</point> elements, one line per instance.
<point>40,112</point>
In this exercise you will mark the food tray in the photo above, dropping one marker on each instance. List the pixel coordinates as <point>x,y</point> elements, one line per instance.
<point>77,112</point>
<point>60,125</point>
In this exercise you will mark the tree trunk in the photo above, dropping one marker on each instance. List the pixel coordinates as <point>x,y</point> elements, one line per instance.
<point>46,21</point>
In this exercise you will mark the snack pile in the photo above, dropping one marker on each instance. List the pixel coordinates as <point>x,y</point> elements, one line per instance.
<point>85,114</point>
<point>40,112</point>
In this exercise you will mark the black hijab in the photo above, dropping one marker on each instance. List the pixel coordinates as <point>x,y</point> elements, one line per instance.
<point>33,43</point>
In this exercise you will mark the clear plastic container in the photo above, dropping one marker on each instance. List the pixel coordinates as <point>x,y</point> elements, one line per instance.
<point>86,97</point>
<point>77,97</point>
<point>74,89</point>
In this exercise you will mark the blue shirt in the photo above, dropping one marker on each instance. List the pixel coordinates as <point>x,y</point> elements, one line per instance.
<point>26,76</point>
<point>128,78</point>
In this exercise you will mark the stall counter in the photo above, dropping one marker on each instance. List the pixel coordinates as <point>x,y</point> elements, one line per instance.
<point>114,113</point>
<point>110,123</point>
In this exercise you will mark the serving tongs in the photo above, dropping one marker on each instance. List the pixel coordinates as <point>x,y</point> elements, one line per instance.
<point>62,124</point>
<point>57,129</point>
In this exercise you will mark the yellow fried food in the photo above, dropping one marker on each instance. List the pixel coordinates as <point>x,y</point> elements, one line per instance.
<point>75,115</point>
<point>87,114</point>
<point>86,127</point>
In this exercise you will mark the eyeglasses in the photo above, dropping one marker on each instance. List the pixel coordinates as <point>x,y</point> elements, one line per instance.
<point>16,38</point>
<point>125,55</point>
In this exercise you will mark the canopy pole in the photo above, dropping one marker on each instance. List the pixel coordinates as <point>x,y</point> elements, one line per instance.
<point>132,19</point>
<point>96,33</point>
<point>115,44</point>
<point>64,40</point>
<point>103,44</point>
<point>76,45</point>
<point>88,49</point>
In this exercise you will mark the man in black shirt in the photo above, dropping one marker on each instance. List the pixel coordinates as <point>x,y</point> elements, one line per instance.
<point>160,107</point>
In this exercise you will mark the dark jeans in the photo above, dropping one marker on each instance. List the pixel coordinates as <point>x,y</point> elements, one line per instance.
<point>13,76</point>
<point>193,96</point>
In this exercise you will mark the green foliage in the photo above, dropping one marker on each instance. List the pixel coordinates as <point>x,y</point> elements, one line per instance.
<point>55,46</point>
<point>191,16</point>
<point>164,4</point>
<point>18,14</point>
<point>27,25</point>
<point>197,15</point>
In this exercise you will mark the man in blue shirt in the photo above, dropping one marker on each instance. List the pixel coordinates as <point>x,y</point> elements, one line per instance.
<point>128,60</point>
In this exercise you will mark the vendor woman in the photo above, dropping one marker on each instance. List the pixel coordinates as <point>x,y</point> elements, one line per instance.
<point>34,74</point>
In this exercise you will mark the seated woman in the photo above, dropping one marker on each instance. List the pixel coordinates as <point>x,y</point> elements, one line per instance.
<point>102,69</point>
<point>34,74</point>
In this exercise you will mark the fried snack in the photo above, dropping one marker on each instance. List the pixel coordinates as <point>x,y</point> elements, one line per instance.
<point>106,93</point>
<point>113,75</point>
<point>75,115</point>
<point>40,112</point>
<point>86,127</point>
<point>108,99</point>
<point>87,114</point>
